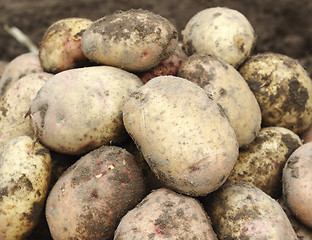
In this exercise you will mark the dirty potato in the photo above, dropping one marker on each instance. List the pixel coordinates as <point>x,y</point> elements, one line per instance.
<point>182,133</point>
<point>135,40</point>
<point>262,163</point>
<point>229,89</point>
<point>165,214</point>
<point>283,90</point>
<point>25,170</point>
<point>60,46</point>
<point>80,109</point>
<point>223,32</point>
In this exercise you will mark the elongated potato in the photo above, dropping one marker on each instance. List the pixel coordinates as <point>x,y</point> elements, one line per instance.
<point>182,133</point>
<point>89,199</point>
<point>241,211</point>
<point>15,104</point>
<point>165,214</point>
<point>135,40</point>
<point>283,90</point>
<point>25,170</point>
<point>80,109</point>
<point>231,91</point>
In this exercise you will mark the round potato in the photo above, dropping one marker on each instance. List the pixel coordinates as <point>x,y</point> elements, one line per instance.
<point>80,109</point>
<point>283,90</point>
<point>231,91</point>
<point>182,133</point>
<point>262,163</point>
<point>16,102</point>
<point>135,40</point>
<point>164,214</point>
<point>241,211</point>
<point>297,183</point>
<point>91,197</point>
<point>220,31</point>
<point>25,170</point>
<point>19,67</point>
<point>60,47</point>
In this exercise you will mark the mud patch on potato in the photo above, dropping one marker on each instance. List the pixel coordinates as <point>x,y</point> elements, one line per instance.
<point>291,144</point>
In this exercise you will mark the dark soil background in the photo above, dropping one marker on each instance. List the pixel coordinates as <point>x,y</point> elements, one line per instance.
<point>282,26</point>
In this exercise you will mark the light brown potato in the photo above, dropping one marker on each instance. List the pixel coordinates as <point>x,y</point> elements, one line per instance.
<point>90,198</point>
<point>135,40</point>
<point>165,214</point>
<point>25,170</point>
<point>241,211</point>
<point>283,90</point>
<point>297,183</point>
<point>60,47</point>
<point>220,31</point>
<point>182,133</point>
<point>262,163</point>
<point>229,89</point>
<point>19,67</point>
<point>15,104</point>
<point>80,109</point>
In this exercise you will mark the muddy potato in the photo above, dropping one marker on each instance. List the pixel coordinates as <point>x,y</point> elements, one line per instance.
<point>25,169</point>
<point>135,40</point>
<point>182,133</point>
<point>297,183</point>
<point>165,214</point>
<point>19,67</point>
<point>60,47</point>
<point>241,211</point>
<point>80,109</point>
<point>89,199</point>
<point>223,32</point>
<point>283,90</point>
<point>229,89</point>
<point>15,104</point>
<point>262,163</point>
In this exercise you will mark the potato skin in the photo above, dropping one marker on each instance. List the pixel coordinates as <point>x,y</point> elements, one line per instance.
<point>283,90</point>
<point>89,199</point>
<point>262,163</point>
<point>242,211</point>
<point>25,170</point>
<point>15,104</point>
<point>19,67</point>
<point>60,46</point>
<point>134,40</point>
<point>182,133</point>
<point>80,109</point>
<point>297,183</point>
<point>220,31</point>
<point>165,214</point>
<point>229,89</point>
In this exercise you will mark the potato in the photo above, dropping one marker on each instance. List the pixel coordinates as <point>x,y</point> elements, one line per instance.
<point>242,211</point>
<point>3,65</point>
<point>25,170</point>
<point>297,183</point>
<point>283,90</point>
<point>307,135</point>
<point>90,198</point>
<point>168,66</point>
<point>229,89</point>
<point>302,231</point>
<point>135,40</point>
<point>60,47</point>
<point>182,133</point>
<point>164,214</point>
<point>19,67</point>
<point>262,163</point>
<point>80,109</point>
<point>16,102</point>
<point>223,32</point>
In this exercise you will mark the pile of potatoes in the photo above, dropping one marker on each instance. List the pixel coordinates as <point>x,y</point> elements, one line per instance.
<point>118,130</point>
